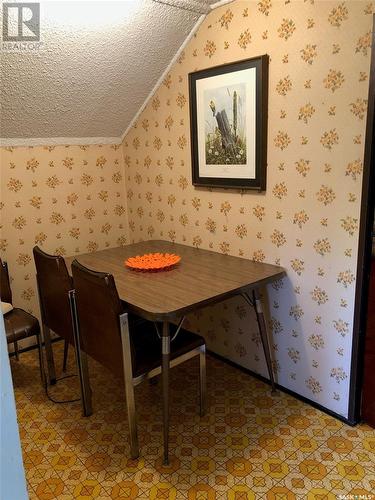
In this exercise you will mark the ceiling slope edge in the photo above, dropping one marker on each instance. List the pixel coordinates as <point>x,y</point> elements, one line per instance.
<point>213,6</point>
<point>164,74</point>
<point>71,141</point>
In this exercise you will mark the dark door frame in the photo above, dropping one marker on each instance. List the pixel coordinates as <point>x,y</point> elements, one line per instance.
<point>364,253</point>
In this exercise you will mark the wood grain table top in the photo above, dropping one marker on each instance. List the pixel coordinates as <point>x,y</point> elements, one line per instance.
<point>202,277</point>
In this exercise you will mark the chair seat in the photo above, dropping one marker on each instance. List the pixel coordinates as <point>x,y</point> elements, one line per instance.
<point>19,325</point>
<point>147,346</point>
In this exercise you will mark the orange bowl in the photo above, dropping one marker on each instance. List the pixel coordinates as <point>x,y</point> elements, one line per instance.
<point>152,261</point>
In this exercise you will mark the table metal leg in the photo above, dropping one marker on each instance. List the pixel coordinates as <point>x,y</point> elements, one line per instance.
<point>202,381</point>
<point>263,334</point>
<point>165,377</point>
<point>257,304</point>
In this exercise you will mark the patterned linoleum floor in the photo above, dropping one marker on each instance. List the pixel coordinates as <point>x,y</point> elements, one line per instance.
<point>249,445</point>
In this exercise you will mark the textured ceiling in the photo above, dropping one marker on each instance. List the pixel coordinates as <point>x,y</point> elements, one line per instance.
<point>98,64</point>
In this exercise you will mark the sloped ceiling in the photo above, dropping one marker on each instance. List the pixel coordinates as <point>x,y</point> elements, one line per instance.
<point>98,63</point>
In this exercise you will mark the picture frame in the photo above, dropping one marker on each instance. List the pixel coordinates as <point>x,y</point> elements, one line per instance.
<point>228,124</point>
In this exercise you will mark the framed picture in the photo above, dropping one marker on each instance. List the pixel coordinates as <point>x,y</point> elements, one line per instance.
<point>228,120</point>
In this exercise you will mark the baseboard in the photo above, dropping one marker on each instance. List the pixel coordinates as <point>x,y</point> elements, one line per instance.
<point>249,372</point>
<point>284,389</point>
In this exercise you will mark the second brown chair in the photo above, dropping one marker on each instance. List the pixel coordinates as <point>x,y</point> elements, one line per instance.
<point>54,284</point>
<point>131,350</point>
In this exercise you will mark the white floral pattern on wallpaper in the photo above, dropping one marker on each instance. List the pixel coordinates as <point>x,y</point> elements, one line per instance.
<point>66,199</point>
<point>308,219</point>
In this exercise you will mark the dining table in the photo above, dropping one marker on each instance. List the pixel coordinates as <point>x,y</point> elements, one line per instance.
<point>200,278</point>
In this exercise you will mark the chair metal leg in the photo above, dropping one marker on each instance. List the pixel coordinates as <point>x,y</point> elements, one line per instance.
<point>202,381</point>
<point>41,360</point>
<point>46,337</point>
<point>81,358</point>
<point>263,334</point>
<point>87,410</point>
<point>49,355</point>
<point>65,359</point>
<point>129,386</point>
<point>166,349</point>
<point>15,343</point>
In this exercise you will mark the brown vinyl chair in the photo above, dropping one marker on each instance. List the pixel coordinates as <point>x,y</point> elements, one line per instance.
<point>19,324</point>
<point>131,350</point>
<point>54,284</point>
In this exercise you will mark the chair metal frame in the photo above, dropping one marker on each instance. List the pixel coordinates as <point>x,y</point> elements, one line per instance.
<point>46,332</point>
<point>130,381</point>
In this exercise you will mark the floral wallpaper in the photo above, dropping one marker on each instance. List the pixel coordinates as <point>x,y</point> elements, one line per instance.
<point>308,218</point>
<point>74,199</point>
<point>66,199</point>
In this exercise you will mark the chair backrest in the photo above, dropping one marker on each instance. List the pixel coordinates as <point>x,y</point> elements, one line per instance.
<point>99,308</point>
<point>5,290</point>
<point>54,284</point>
